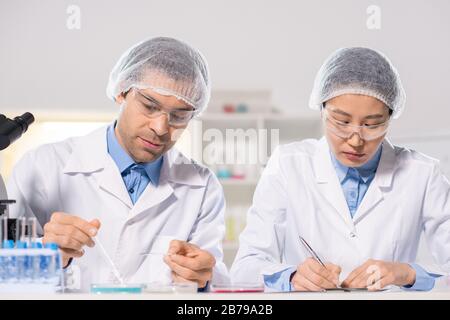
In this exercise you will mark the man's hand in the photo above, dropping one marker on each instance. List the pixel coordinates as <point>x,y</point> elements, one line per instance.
<point>375,275</point>
<point>312,276</point>
<point>71,234</point>
<point>189,263</point>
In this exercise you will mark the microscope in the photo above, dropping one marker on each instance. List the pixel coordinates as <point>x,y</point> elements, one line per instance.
<point>10,131</point>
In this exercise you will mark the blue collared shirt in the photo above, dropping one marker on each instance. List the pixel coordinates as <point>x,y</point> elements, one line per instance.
<point>354,182</point>
<point>136,176</point>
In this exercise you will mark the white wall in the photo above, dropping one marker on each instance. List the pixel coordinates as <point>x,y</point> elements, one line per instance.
<point>250,44</point>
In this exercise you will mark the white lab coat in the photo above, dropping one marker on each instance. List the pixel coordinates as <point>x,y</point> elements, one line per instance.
<point>78,176</point>
<point>299,194</point>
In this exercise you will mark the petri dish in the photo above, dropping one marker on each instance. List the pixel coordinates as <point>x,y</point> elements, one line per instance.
<point>237,288</point>
<point>156,287</point>
<point>111,288</point>
<point>185,287</point>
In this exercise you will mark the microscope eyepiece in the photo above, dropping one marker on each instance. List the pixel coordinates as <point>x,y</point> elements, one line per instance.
<point>11,130</point>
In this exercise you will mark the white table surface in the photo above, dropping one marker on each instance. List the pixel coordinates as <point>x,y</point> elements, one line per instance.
<point>387,295</point>
<point>440,292</point>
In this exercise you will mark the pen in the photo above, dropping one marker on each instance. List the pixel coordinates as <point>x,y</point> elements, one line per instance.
<point>311,251</point>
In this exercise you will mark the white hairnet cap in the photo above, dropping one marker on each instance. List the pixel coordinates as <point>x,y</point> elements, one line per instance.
<point>359,71</point>
<point>165,65</point>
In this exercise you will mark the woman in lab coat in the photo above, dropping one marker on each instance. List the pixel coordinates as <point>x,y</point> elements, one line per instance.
<point>158,214</point>
<point>359,202</point>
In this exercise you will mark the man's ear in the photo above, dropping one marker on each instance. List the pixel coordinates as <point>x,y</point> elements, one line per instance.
<point>390,111</point>
<point>322,109</point>
<point>120,98</point>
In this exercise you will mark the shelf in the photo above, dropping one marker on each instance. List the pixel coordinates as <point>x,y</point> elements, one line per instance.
<point>231,116</point>
<point>217,116</point>
<point>237,182</point>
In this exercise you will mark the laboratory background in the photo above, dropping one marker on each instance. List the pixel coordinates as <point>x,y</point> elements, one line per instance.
<point>56,56</point>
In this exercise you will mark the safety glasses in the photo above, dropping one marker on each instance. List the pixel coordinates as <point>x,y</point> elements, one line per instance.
<point>151,109</point>
<point>345,130</point>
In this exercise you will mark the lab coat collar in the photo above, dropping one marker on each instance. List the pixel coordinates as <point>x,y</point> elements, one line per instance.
<point>386,167</point>
<point>176,169</point>
<point>90,156</point>
<point>364,172</point>
<point>329,183</point>
<point>324,172</point>
<point>179,169</point>
<point>323,166</point>
<point>380,184</point>
<point>124,161</point>
<point>85,156</point>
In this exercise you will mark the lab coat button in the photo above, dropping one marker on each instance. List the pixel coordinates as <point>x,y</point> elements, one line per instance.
<point>352,234</point>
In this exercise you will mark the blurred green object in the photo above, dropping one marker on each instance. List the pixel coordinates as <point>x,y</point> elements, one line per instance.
<point>224,173</point>
<point>107,288</point>
<point>242,108</point>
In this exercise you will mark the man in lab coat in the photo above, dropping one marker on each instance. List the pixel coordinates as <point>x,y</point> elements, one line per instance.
<point>359,202</point>
<point>158,214</point>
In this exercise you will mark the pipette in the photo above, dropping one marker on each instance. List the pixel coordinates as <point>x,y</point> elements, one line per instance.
<point>109,260</point>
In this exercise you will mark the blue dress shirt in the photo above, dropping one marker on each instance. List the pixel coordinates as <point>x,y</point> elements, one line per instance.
<point>136,176</point>
<point>356,181</point>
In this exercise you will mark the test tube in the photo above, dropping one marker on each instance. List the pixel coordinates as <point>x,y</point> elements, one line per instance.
<point>9,260</point>
<point>1,234</point>
<point>32,223</point>
<point>5,231</point>
<point>4,245</point>
<point>21,233</point>
<point>53,268</point>
<point>35,260</point>
<point>2,263</point>
<point>21,224</point>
